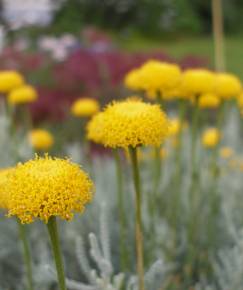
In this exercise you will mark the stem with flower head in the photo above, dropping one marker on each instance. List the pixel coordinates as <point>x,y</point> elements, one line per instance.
<point>27,256</point>
<point>55,243</point>
<point>121,209</point>
<point>139,230</point>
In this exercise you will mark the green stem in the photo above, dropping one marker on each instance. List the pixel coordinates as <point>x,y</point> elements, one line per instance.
<point>139,230</point>
<point>53,233</point>
<point>122,219</point>
<point>157,170</point>
<point>26,253</point>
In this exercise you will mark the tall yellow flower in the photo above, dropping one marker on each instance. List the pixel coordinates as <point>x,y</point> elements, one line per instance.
<point>41,139</point>
<point>133,123</point>
<point>211,137</point>
<point>47,187</point>
<point>22,95</point>
<point>10,80</point>
<point>95,128</point>
<point>209,101</point>
<point>197,81</point>
<point>154,77</point>
<point>227,86</point>
<point>85,107</point>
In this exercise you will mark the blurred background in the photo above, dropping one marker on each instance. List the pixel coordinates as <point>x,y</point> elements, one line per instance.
<point>69,49</point>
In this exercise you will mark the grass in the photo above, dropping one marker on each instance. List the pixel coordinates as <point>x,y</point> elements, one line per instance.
<point>202,46</point>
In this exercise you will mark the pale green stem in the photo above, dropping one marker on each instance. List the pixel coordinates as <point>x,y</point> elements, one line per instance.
<point>26,254</point>
<point>122,219</point>
<point>138,221</point>
<point>55,243</point>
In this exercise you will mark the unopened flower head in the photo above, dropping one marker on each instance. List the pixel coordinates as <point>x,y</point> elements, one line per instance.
<point>41,139</point>
<point>46,187</point>
<point>85,107</point>
<point>211,138</point>
<point>22,95</point>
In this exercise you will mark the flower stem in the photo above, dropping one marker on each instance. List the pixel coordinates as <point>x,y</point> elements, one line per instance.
<point>122,219</point>
<point>27,255</point>
<point>53,233</point>
<point>139,233</point>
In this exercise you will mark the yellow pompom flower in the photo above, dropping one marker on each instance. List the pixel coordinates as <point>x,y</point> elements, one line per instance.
<point>47,187</point>
<point>133,123</point>
<point>41,139</point>
<point>85,107</point>
<point>10,80</point>
<point>132,80</point>
<point>154,77</point>
<point>22,95</point>
<point>175,127</point>
<point>197,81</point>
<point>208,101</point>
<point>211,138</point>
<point>226,152</point>
<point>227,86</point>
<point>4,174</point>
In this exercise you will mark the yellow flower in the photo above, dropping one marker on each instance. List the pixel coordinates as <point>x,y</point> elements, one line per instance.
<point>46,187</point>
<point>132,80</point>
<point>95,128</point>
<point>4,174</point>
<point>175,127</point>
<point>226,152</point>
<point>22,95</point>
<point>133,123</point>
<point>211,137</point>
<point>197,81</point>
<point>10,80</point>
<point>154,77</point>
<point>85,107</point>
<point>227,86</point>
<point>240,100</point>
<point>41,139</point>
<point>208,101</point>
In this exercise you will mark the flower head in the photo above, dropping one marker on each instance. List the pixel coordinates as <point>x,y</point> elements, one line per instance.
<point>10,80</point>
<point>95,128</point>
<point>208,101</point>
<point>85,107</point>
<point>197,81</point>
<point>211,138</point>
<point>226,152</point>
<point>22,95</point>
<point>175,127</point>
<point>133,123</point>
<point>45,187</point>
<point>41,139</point>
<point>227,86</point>
<point>154,77</point>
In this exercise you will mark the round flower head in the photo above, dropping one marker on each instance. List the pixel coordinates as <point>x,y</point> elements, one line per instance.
<point>208,101</point>
<point>10,80</point>
<point>132,80</point>
<point>133,123</point>
<point>22,95</point>
<point>95,128</point>
<point>175,127</point>
<point>4,175</point>
<point>159,76</point>
<point>197,81</point>
<point>85,107</point>
<point>226,152</point>
<point>211,138</point>
<point>41,139</point>
<point>227,86</point>
<point>46,187</point>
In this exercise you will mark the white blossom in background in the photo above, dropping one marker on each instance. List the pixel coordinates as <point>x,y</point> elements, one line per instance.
<point>20,13</point>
